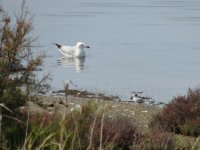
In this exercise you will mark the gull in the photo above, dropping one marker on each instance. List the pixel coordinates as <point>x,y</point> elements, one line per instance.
<point>73,51</point>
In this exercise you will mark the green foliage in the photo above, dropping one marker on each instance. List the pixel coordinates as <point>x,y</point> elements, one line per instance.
<point>13,133</point>
<point>17,61</point>
<point>13,97</point>
<point>18,64</point>
<point>181,116</point>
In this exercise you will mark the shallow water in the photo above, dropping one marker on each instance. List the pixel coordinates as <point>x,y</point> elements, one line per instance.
<point>148,45</point>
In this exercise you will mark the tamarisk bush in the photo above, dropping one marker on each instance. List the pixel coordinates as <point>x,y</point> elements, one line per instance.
<point>19,63</point>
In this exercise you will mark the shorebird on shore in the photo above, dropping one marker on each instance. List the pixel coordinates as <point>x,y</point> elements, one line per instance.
<point>136,97</point>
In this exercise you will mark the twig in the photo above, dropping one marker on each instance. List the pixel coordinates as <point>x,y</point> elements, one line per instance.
<point>27,126</point>
<point>3,105</point>
<point>193,147</point>
<point>13,118</point>
<point>101,134</point>
<point>92,130</point>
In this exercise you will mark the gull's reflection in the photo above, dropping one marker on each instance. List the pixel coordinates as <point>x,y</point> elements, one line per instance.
<point>78,63</point>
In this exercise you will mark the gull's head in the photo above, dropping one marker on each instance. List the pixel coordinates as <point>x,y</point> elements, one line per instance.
<point>81,45</point>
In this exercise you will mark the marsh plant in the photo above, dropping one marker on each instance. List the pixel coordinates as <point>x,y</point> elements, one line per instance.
<point>18,59</point>
<point>91,128</point>
<point>87,128</point>
<point>18,67</point>
<point>181,115</point>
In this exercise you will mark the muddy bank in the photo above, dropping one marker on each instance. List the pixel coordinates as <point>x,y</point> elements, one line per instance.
<point>86,94</point>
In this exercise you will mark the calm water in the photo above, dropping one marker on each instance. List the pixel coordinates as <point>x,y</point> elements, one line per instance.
<point>148,45</point>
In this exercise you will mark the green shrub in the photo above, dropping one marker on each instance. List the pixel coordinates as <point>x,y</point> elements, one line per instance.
<point>14,134</point>
<point>18,64</point>
<point>17,61</point>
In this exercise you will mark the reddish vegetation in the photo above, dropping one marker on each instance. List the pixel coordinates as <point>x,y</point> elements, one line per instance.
<point>119,131</point>
<point>181,116</point>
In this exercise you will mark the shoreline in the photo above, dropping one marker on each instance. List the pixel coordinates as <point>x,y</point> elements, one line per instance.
<point>58,104</point>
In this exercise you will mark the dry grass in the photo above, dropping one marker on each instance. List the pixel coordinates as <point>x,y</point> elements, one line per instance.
<point>96,124</point>
<point>140,114</point>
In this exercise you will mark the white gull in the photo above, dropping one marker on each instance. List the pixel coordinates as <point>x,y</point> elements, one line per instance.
<point>73,51</point>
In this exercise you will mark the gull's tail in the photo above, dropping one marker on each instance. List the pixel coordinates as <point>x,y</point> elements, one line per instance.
<point>57,45</point>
